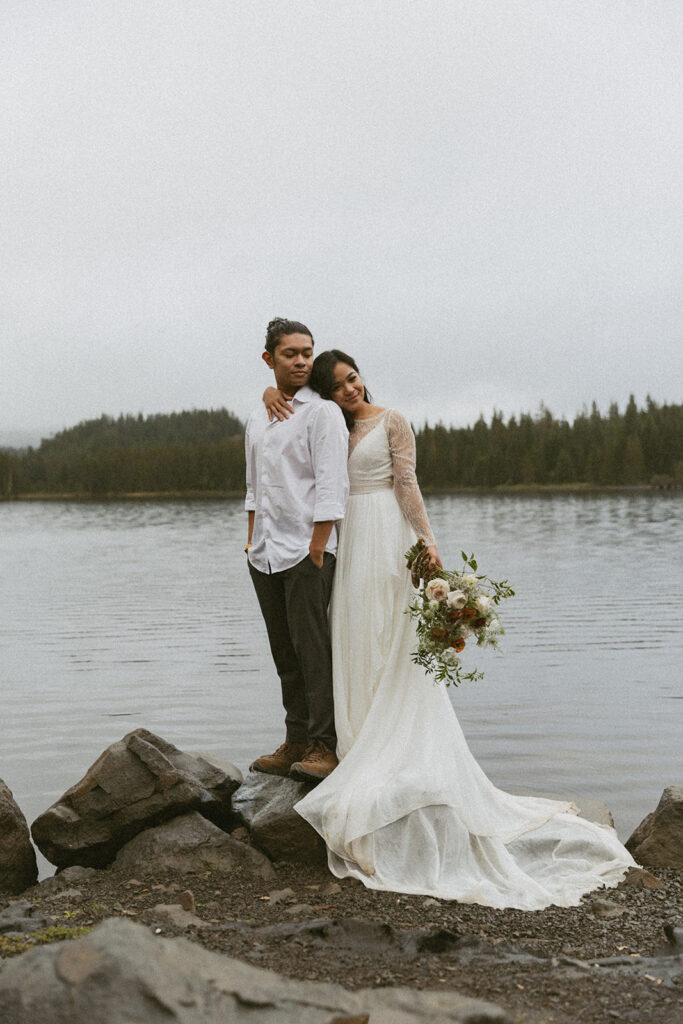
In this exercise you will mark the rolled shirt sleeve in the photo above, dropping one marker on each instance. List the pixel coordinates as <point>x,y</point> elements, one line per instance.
<point>330,452</point>
<point>250,500</point>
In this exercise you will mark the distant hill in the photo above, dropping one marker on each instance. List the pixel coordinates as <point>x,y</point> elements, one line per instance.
<point>167,453</point>
<point>205,426</point>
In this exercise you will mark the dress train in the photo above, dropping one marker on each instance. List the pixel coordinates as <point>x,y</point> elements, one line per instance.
<point>409,809</point>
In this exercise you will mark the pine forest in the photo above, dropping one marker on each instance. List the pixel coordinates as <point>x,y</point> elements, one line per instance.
<point>202,453</point>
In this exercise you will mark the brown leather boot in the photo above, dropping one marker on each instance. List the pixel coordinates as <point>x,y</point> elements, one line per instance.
<point>281,761</point>
<point>316,764</point>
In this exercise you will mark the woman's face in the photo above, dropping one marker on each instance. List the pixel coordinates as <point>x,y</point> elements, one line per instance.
<point>348,388</point>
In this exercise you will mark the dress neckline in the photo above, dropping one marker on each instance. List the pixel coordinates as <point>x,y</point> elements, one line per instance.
<point>359,432</point>
<point>366,419</point>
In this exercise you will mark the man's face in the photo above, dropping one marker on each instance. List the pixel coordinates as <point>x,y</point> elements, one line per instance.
<point>292,361</point>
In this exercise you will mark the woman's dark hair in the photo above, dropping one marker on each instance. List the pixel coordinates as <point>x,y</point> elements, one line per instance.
<point>279,328</point>
<point>322,376</point>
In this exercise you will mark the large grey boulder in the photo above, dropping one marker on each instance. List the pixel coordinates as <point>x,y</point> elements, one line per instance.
<point>265,804</point>
<point>18,868</point>
<point>137,783</point>
<point>588,808</point>
<point>65,880</point>
<point>220,762</point>
<point>121,972</point>
<point>658,840</point>
<point>594,810</point>
<point>190,843</point>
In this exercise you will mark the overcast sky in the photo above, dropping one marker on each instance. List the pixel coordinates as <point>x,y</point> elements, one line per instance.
<point>480,200</point>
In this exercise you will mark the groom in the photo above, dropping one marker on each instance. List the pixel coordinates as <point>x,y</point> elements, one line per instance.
<point>297,485</point>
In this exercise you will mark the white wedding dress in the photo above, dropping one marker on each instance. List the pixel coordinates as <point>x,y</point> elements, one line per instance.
<point>409,809</point>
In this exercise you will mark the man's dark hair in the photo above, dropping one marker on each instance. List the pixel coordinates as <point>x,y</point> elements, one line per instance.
<point>279,328</point>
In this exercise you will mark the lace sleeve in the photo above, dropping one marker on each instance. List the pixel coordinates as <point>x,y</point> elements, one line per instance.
<point>406,488</point>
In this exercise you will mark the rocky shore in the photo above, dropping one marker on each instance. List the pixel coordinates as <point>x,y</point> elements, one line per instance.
<point>194,920</point>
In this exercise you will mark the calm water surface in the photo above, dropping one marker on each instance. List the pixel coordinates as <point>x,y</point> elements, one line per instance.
<point>119,615</point>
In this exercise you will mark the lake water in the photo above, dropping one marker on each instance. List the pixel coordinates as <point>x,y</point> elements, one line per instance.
<point>117,615</point>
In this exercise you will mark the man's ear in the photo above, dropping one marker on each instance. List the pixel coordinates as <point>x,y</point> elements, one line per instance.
<point>268,359</point>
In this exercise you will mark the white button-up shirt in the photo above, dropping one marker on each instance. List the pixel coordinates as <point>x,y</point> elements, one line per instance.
<point>296,476</point>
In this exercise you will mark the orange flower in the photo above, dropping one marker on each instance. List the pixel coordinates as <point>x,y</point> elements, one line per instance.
<point>469,613</point>
<point>438,633</point>
<point>479,622</point>
<point>457,644</point>
<point>453,614</point>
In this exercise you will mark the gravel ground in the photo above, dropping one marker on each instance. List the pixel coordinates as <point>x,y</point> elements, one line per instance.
<point>540,966</point>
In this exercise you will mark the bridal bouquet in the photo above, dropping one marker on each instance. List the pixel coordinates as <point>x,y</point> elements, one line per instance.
<point>452,608</point>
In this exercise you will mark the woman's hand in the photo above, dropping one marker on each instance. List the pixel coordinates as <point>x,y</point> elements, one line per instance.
<point>434,560</point>
<point>277,404</point>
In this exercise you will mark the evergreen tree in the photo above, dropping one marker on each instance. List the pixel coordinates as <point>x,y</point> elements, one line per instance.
<point>202,452</point>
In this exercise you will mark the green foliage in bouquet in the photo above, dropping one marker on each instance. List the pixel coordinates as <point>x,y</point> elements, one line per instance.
<point>450,609</point>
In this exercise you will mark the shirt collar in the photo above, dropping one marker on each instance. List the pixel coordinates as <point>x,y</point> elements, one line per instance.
<point>304,394</point>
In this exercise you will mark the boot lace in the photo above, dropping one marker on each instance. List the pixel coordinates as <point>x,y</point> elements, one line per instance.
<point>286,747</point>
<point>316,751</point>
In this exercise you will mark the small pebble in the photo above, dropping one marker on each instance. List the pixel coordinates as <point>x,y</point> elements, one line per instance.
<point>605,908</point>
<point>186,901</point>
<point>278,895</point>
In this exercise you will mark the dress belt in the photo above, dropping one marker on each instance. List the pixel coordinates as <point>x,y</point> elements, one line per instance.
<point>370,488</point>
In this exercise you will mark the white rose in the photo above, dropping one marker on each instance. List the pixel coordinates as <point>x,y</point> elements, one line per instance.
<point>456,599</point>
<point>437,590</point>
<point>483,603</point>
<point>449,657</point>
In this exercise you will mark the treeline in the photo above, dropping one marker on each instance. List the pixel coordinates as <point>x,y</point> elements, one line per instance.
<point>196,451</point>
<point>203,452</point>
<point>198,426</point>
<point>638,446</point>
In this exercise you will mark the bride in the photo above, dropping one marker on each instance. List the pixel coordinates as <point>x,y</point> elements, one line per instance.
<point>409,809</point>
